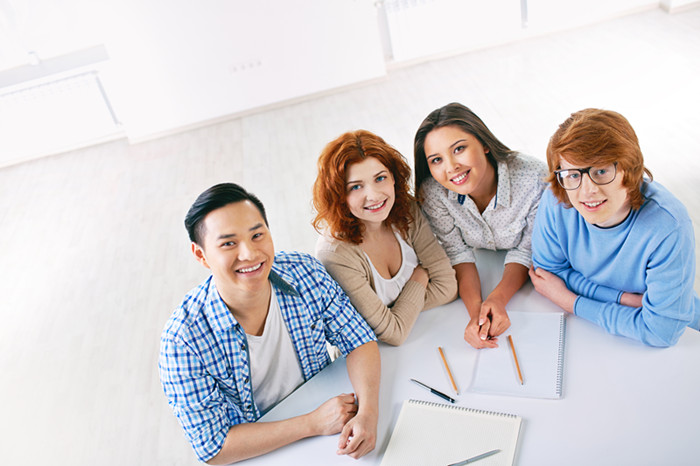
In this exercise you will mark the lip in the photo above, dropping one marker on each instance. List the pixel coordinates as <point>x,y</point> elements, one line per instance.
<point>593,206</point>
<point>461,178</point>
<point>251,269</point>
<point>376,207</point>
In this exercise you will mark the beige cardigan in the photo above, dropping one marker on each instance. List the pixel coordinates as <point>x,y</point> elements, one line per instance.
<point>349,266</point>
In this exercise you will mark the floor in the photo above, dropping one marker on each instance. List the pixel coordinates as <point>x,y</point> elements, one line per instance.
<point>94,256</point>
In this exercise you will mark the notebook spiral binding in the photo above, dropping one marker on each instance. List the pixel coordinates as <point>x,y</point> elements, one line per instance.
<point>560,359</point>
<point>461,408</point>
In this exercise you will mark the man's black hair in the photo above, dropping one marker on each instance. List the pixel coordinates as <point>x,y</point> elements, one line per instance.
<point>217,196</point>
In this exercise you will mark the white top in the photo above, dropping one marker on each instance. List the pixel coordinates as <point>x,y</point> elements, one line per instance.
<point>505,224</point>
<point>274,367</point>
<point>389,289</point>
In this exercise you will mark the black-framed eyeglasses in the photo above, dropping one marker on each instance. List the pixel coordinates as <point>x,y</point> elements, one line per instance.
<point>571,177</point>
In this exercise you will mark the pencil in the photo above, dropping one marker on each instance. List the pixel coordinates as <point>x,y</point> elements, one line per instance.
<point>515,357</point>
<point>449,372</point>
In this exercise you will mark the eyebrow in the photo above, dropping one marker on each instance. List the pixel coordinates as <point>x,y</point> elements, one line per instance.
<point>233,235</point>
<point>373,176</point>
<point>451,146</point>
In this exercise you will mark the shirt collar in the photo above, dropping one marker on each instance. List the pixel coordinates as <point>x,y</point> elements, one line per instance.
<point>219,315</point>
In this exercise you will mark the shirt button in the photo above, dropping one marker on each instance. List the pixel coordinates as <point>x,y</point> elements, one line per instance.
<point>313,326</point>
<point>242,346</point>
<point>246,379</point>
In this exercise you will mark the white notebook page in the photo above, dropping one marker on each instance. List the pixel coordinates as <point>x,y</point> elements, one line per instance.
<point>437,434</point>
<point>538,338</point>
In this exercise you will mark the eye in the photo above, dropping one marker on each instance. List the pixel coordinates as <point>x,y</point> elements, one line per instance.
<point>257,235</point>
<point>435,160</point>
<point>228,244</point>
<point>572,175</point>
<point>380,178</point>
<point>601,171</point>
<point>459,149</point>
<point>354,187</point>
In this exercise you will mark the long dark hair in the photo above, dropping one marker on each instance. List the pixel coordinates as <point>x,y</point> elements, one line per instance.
<point>458,115</point>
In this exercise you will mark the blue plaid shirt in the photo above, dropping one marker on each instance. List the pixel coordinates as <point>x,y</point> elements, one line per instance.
<point>204,365</point>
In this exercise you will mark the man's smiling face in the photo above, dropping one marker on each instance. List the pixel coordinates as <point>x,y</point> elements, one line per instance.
<point>237,248</point>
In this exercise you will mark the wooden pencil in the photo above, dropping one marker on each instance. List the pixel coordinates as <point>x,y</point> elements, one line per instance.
<point>515,357</point>
<point>449,372</point>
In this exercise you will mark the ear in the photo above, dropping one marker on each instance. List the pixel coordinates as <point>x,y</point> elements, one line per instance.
<point>198,252</point>
<point>486,150</point>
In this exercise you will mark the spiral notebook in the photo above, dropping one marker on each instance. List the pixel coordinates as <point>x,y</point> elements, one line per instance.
<point>428,433</point>
<point>539,339</point>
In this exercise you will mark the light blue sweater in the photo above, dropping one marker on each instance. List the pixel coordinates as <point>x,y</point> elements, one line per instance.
<point>651,252</point>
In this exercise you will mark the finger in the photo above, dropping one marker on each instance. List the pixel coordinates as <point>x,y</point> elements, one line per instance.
<point>361,450</point>
<point>351,445</point>
<point>484,314</point>
<point>346,398</point>
<point>344,438</point>
<point>484,330</point>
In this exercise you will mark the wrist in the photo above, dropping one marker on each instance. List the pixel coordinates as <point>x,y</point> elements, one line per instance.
<point>473,307</point>
<point>310,427</point>
<point>498,300</point>
<point>569,302</point>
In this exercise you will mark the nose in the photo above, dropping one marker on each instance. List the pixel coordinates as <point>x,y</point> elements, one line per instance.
<point>246,251</point>
<point>452,164</point>
<point>371,192</point>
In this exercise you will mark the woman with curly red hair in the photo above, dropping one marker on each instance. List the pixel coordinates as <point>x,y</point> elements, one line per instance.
<point>376,243</point>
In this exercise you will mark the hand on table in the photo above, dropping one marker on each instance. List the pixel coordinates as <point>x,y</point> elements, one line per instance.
<point>334,414</point>
<point>553,288</point>
<point>482,331</point>
<point>359,436</point>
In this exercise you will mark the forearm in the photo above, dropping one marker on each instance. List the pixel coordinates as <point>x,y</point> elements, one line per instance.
<point>394,323</point>
<point>364,370</point>
<point>653,327</point>
<point>469,286</point>
<point>442,285</point>
<point>248,440</point>
<point>514,277</point>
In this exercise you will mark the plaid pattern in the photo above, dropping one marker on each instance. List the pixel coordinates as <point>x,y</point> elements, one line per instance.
<point>203,363</point>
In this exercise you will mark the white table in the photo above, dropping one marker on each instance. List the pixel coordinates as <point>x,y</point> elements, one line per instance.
<point>623,403</point>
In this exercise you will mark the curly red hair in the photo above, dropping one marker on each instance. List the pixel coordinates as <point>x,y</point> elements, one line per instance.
<point>330,192</point>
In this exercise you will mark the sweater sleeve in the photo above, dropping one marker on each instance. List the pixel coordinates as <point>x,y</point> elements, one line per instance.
<point>667,305</point>
<point>442,287</point>
<point>391,324</point>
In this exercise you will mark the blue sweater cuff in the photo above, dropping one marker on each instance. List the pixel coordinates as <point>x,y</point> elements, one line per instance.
<point>586,308</point>
<point>606,295</point>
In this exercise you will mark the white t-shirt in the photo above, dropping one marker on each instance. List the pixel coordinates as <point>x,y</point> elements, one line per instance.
<point>389,289</point>
<point>274,365</point>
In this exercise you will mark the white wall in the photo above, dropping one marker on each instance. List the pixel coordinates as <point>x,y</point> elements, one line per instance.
<point>181,62</point>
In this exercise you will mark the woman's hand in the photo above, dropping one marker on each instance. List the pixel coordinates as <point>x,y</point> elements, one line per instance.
<point>477,335</point>
<point>420,275</point>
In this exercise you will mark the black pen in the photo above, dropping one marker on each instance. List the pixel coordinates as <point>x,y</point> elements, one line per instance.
<point>435,392</point>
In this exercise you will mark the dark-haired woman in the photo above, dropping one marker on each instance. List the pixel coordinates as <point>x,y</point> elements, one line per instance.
<point>477,193</point>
